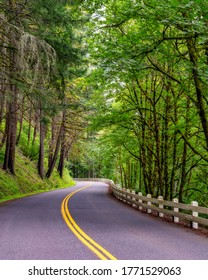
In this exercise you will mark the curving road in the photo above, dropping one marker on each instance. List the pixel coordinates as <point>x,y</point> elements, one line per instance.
<point>40,227</point>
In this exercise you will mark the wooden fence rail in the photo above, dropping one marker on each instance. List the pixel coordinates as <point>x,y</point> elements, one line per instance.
<point>179,211</point>
<point>172,208</point>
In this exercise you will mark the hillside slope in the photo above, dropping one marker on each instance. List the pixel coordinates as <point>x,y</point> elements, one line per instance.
<point>27,180</point>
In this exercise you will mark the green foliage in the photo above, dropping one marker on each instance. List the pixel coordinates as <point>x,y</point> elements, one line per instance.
<point>59,26</point>
<point>149,67</point>
<point>30,149</point>
<point>146,91</point>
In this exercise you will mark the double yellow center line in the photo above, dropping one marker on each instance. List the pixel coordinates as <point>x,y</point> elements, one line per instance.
<point>102,253</point>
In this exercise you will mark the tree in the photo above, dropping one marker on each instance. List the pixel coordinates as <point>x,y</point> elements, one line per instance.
<point>152,57</point>
<point>40,54</point>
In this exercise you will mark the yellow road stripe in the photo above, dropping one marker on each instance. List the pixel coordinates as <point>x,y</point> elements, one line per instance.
<point>102,253</point>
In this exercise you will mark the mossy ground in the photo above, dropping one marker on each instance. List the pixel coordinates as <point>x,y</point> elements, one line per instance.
<point>27,181</point>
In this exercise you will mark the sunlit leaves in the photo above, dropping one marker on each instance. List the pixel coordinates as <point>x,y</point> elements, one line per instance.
<point>145,89</point>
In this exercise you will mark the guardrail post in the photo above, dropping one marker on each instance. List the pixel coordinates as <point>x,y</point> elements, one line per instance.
<point>116,192</point>
<point>195,214</point>
<point>175,219</point>
<point>128,196</point>
<point>161,215</point>
<point>120,192</point>
<point>133,198</point>
<point>140,200</point>
<point>124,195</point>
<point>149,203</point>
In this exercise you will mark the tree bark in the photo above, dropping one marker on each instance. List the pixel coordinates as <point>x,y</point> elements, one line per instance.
<point>11,120</point>
<point>29,130</point>
<point>174,157</point>
<point>184,156</point>
<point>56,152</point>
<point>21,121</point>
<point>166,148</point>
<point>198,86</point>
<point>63,146</point>
<point>41,145</point>
<point>2,104</point>
<point>52,144</point>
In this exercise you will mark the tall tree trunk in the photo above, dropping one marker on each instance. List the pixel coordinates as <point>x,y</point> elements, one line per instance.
<point>35,128</point>
<point>174,157</point>
<point>198,86</point>
<point>3,79</point>
<point>2,103</point>
<point>166,148</point>
<point>51,144</point>
<point>158,170</point>
<point>21,121</point>
<point>56,152</point>
<point>6,126</point>
<point>41,145</point>
<point>29,130</point>
<point>11,125</point>
<point>184,156</point>
<point>7,138</point>
<point>9,162</point>
<point>63,146</point>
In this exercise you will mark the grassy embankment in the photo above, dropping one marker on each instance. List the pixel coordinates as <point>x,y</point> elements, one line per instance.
<point>27,181</point>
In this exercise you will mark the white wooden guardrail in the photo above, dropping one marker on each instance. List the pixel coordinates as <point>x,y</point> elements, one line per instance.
<point>171,208</point>
<point>103,180</point>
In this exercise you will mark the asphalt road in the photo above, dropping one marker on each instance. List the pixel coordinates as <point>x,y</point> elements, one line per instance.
<point>34,228</point>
